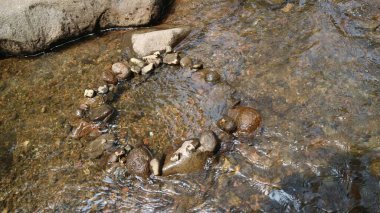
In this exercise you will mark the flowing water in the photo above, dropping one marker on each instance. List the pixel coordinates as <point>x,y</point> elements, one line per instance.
<point>312,72</point>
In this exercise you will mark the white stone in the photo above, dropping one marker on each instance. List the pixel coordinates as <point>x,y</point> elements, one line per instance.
<point>148,68</point>
<point>89,93</point>
<point>155,166</point>
<point>147,43</point>
<point>103,89</point>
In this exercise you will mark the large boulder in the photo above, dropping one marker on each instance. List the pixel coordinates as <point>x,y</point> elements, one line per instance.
<point>28,26</point>
<point>146,43</point>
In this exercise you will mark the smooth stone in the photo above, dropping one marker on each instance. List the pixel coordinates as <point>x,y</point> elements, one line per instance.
<point>103,89</point>
<point>109,77</point>
<point>121,70</point>
<point>137,162</point>
<point>85,129</point>
<point>197,66</point>
<point>187,159</point>
<point>227,124</point>
<point>247,119</point>
<point>33,25</point>
<point>136,69</point>
<point>153,59</point>
<point>207,141</point>
<point>171,59</point>
<point>113,158</point>
<point>97,147</point>
<point>89,93</point>
<point>101,113</point>
<point>147,43</point>
<point>212,77</point>
<point>186,62</point>
<point>79,113</point>
<point>168,49</point>
<point>137,62</point>
<point>155,166</point>
<point>147,69</point>
<point>120,152</point>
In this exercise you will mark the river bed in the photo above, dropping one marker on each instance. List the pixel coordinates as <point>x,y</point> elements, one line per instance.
<point>311,71</point>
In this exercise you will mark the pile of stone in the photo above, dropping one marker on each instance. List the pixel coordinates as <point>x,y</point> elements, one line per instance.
<point>96,113</point>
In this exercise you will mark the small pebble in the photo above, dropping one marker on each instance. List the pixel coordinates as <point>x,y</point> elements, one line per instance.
<point>120,70</point>
<point>79,113</point>
<point>147,69</point>
<point>168,49</point>
<point>155,166</point>
<point>212,77</point>
<point>103,89</point>
<point>197,66</point>
<point>43,109</point>
<point>186,62</point>
<point>157,53</point>
<point>84,107</point>
<point>89,93</point>
<point>226,124</point>
<point>120,152</point>
<point>137,62</point>
<point>171,59</point>
<point>113,158</point>
<point>135,69</point>
<point>109,77</point>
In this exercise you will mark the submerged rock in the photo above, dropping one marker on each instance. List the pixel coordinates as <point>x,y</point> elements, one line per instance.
<point>97,147</point>
<point>212,77</point>
<point>207,142</point>
<point>190,157</point>
<point>186,62</point>
<point>227,124</point>
<point>121,70</point>
<point>85,129</point>
<point>247,119</point>
<point>171,59</point>
<point>33,25</point>
<point>138,162</point>
<point>109,77</point>
<point>147,43</point>
<point>147,69</point>
<point>101,113</point>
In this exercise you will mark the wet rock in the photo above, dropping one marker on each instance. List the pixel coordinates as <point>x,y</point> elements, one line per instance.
<point>137,62</point>
<point>101,113</point>
<point>103,89</point>
<point>147,43</point>
<point>168,49</point>
<point>89,93</point>
<point>136,69</point>
<point>80,113</point>
<point>113,158</point>
<point>147,69</point>
<point>186,62</point>
<point>247,119</point>
<point>85,129</point>
<point>171,59</point>
<point>120,152</point>
<point>97,147</point>
<point>153,59</point>
<point>207,142</point>
<point>212,77</point>
<point>227,124</point>
<point>33,25</point>
<point>121,70</point>
<point>197,66</point>
<point>155,166</point>
<point>288,7</point>
<point>109,77</point>
<point>188,158</point>
<point>138,162</point>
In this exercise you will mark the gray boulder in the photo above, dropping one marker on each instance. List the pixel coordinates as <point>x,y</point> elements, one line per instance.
<point>146,43</point>
<point>33,25</point>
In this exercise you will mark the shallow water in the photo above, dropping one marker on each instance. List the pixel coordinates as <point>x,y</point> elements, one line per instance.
<point>312,72</point>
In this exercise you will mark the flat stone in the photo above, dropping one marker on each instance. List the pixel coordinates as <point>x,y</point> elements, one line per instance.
<point>186,62</point>
<point>147,43</point>
<point>147,69</point>
<point>171,59</point>
<point>101,113</point>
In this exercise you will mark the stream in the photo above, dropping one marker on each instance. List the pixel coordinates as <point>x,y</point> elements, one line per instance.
<point>312,71</point>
